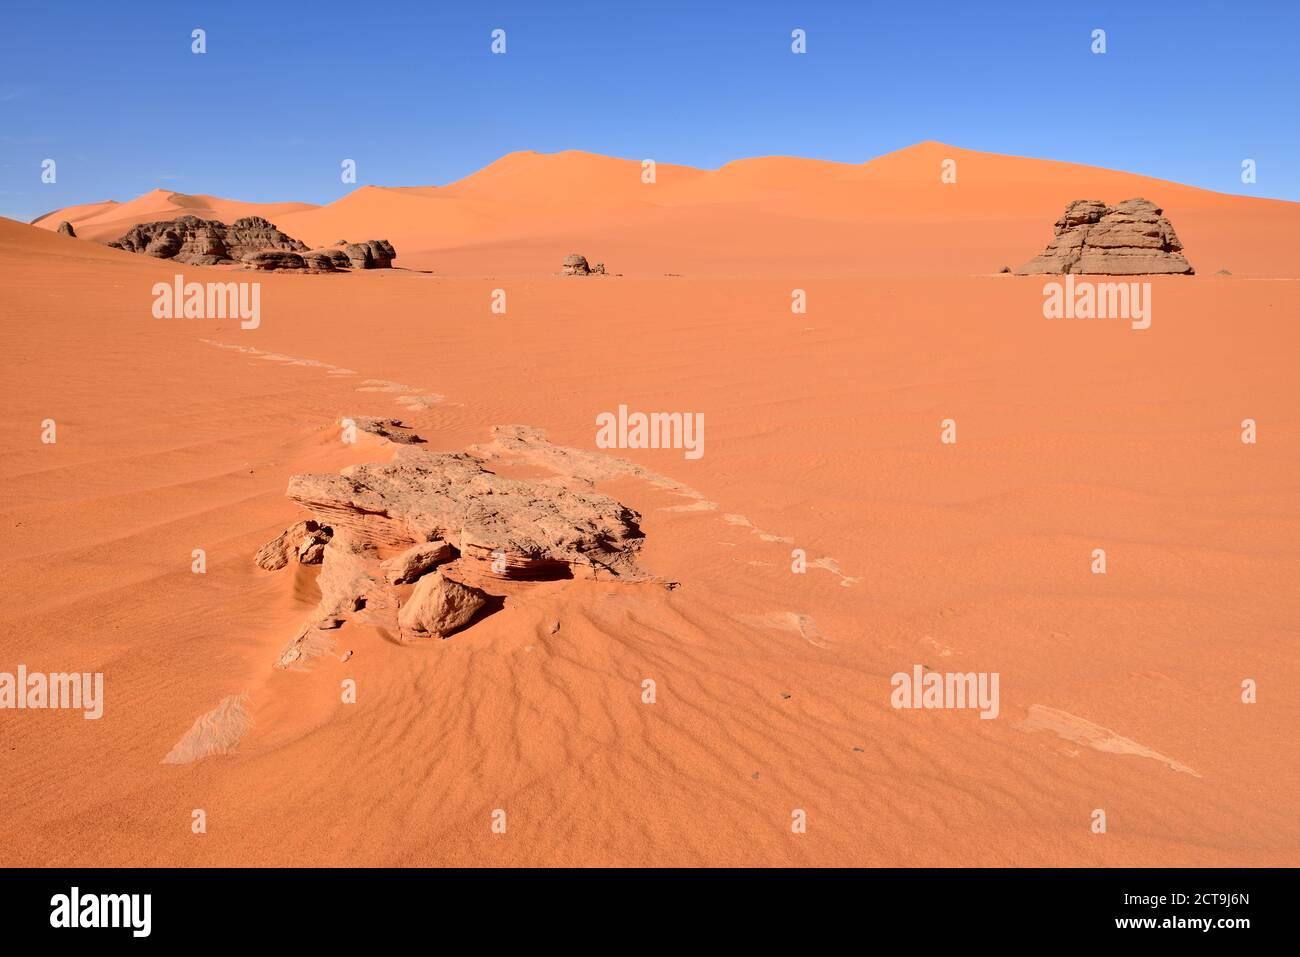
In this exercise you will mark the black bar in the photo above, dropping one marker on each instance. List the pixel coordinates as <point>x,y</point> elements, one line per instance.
<point>621,907</point>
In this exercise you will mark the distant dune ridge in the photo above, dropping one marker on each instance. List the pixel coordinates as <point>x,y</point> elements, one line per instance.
<point>108,220</point>
<point>765,216</point>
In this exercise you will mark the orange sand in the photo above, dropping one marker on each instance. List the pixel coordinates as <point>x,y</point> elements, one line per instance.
<point>822,434</point>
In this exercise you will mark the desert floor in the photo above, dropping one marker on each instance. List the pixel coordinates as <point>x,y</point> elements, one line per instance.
<point>1119,692</point>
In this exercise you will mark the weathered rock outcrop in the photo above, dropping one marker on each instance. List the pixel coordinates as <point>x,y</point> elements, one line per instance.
<point>252,241</point>
<point>313,260</point>
<point>575,265</point>
<point>538,529</point>
<point>207,242</point>
<point>304,539</point>
<point>391,429</point>
<point>442,521</point>
<point>1131,239</point>
<point>65,229</point>
<point>269,260</point>
<point>374,254</point>
<point>415,561</point>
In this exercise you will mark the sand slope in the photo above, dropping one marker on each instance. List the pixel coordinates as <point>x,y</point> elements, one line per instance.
<point>1119,692</point>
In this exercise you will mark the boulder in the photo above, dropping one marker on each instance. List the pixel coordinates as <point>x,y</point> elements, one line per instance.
<point>575,265</point>
<point>275,553</point>
<point>311,550</point>
<point>334,257</point>
<point>382,254</point>
<point>358,255</point>
<point>316,261</point>
<point>373,254</point>
<point>273,259</point>
<point>1130,239</point>
<point>415,561</point>
<point>438,606</point>
<point>65,229</point>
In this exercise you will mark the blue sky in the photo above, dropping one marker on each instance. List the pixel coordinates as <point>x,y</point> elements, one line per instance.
<point>411,91</point>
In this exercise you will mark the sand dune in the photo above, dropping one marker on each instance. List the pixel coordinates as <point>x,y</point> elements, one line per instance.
<point>110,220</point>
<point>891,216</point>
<point>772,689</point>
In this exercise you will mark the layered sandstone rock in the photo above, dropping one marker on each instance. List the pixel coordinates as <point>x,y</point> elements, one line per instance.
<point>207,242</point>
<point>1133,238</point>
<point>415,561</point>
<point>441,521</point>
<point>253,241</point>
<point>328,259</point>
<point>539,529</point>
<point>270,260</point>
<point>65,229</point>
<point>314,261</point>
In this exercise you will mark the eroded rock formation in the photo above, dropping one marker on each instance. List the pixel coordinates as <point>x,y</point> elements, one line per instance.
<point>253,241</point>
<point>415,561</point>
<point>541,529</point>
<point>1133,238</point>
<point>65,229</point>
<point>305,539</point>
<point>576,265</point>
<point>206,242</point>
<point>448,524</point>
<point>391,429</point>
<point>373,254</point>
<point>275,259</point>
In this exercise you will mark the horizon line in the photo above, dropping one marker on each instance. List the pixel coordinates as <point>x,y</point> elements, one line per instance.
<point>700,169</point>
